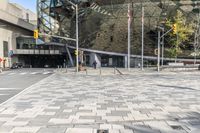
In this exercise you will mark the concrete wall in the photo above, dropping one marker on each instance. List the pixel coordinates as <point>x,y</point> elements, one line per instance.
<point>9,33</point>
<point>3,5</point>
<point>13,23</point>
<point>23,15</point>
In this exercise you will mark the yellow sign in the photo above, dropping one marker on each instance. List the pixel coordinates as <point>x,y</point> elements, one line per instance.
<point>36,34</point>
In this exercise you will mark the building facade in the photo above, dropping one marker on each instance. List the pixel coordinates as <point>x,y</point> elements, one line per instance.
<point>15,21</point>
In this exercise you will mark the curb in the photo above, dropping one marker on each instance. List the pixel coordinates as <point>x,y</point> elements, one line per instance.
<point>25,91</point>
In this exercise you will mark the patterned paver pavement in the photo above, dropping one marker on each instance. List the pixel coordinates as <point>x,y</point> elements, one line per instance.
<point>137,103</point>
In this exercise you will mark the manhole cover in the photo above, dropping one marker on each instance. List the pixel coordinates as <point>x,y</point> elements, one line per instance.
<point>177,127</point>
<point>102,131</point>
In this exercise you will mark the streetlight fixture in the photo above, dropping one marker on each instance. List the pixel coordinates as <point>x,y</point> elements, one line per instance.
<point>159,40</point>
<point>129,35</point>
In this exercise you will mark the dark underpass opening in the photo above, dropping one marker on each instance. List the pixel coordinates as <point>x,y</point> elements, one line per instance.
<point>44,61</point>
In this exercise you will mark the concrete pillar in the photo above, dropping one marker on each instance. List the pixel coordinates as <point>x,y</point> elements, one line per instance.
<point>126,61</point>
<point>95,57</point>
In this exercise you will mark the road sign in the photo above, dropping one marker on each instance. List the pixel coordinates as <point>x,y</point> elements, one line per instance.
<point>11,53</point>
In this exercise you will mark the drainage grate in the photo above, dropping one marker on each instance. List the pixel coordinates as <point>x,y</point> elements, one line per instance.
<point>102,131</point>
<point>177,127</point>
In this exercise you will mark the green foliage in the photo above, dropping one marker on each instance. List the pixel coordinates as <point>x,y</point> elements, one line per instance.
<point>182,34</point>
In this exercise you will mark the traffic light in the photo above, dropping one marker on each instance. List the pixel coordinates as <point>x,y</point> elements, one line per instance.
<point>174,28</point>
<point>76,52</point>
<point>36,34</point>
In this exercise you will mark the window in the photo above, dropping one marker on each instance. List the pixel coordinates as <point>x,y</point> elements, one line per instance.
<point>111,38</point>
<point>5,48</point>
<point>27,17</point>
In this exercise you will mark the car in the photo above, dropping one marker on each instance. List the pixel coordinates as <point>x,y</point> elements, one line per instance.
<point>16,65</point>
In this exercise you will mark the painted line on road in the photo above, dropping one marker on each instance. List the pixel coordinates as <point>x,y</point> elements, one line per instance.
<point>22,73</point>
<point>11,73</point>
<point>25,90</point>
<point>4,94</point>
<point>10,88</point>
<point>47,73</point>
<point>34,73</point>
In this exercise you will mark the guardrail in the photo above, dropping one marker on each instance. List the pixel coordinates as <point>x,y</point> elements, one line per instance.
<point>181,68</point>
<point>117,70</point>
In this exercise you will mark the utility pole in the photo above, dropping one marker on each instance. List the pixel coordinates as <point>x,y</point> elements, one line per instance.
<point>142,63</point>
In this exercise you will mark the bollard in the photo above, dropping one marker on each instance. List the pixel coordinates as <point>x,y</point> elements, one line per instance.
<point>66,68</point>
<point>100,70</point>
<point>114,70</point>
<point>58,68</point>
<point>61,68</point>
<point>86,71</point>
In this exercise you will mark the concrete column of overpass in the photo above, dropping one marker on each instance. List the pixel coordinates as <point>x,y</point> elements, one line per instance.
<point>126,61</point>
<point>95,57</point>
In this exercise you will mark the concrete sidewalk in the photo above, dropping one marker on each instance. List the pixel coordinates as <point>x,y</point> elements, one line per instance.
<point>76,103</point>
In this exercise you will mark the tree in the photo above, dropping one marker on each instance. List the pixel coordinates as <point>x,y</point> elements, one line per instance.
<point>181,33</point>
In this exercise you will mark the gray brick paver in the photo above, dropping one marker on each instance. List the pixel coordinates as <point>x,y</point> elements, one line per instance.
<point>77,101</point>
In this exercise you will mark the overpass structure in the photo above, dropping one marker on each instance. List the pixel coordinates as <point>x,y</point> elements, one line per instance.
<point>103,24</point>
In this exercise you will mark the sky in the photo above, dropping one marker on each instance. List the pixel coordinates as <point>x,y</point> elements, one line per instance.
<point>28,4</point>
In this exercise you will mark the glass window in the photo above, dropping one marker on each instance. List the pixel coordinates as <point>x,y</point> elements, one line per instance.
<point>5,48</point>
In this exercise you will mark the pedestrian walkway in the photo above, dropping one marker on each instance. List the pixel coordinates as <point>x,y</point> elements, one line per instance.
<point>77,103</point>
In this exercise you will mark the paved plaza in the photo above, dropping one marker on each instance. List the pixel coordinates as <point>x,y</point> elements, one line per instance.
<point>148,102</point>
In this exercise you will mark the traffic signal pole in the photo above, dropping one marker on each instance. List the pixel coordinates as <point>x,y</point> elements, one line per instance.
<point>159,40</point>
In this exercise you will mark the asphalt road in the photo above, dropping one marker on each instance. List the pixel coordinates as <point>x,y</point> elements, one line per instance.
<point>14,81</point>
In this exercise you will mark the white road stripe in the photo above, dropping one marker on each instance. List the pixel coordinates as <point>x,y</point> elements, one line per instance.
<point>11,73</point>
<point>4,94</point>
<point>22,73</point>
<point>46,73</point>
<point>34,73</point>
<point>9,88</point>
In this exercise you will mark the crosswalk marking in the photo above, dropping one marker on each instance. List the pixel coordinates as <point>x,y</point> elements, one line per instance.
<point>31,73</point>
<point>34,73</point>
<point>46,73</point>
<point>11,73</point>
<point>23,73</point>
<point>9,88</point>
<point>4,94</point>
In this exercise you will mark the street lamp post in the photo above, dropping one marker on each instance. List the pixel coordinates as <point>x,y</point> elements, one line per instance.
<point>77,43</point>
<point>129,36</point>
<point>163,46</point>
<point>159,39</point>
<point>158,62</point>
<point>142,65</point>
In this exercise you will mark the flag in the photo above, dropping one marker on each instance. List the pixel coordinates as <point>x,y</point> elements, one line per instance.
<point>130,15</point>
